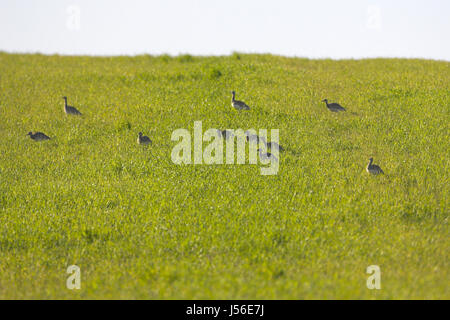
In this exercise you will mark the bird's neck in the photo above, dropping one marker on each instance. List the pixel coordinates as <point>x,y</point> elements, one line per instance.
<point>232,98</point>
<point>370,163</point>
<point>65,102</point>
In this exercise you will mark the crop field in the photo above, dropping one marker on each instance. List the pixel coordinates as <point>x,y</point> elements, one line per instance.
<point>139,226</point>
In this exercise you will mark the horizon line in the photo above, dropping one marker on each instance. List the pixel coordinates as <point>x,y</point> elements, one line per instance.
<point>180,54</point>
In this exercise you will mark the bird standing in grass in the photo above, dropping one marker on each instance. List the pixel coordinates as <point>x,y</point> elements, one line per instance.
<point>143,140</point>
<point>373,168</point>
<point>69,109</point>
<point>38,136</point>
<point>238,105</point>
<point>334,107</point>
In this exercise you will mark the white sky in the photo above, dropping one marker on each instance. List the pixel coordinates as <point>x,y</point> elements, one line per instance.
<point>310,28</point>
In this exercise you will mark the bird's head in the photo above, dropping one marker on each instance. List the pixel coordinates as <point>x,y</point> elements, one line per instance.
<point>65,98</point>
<point>370,159</point>
<point>233,93</point>
<point>29,133</point>
<point>140,134</point>
<point>325,100</point>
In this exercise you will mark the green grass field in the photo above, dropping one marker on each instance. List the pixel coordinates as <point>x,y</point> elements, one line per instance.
<point>142,227</point>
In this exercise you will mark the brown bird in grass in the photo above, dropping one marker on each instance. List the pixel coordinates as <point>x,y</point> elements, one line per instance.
<point>69,109</point>
<point>238,105</point>
<point>373,168</point>
<point>38,136</point>
<point>334,107</point>
<point>143,140</point>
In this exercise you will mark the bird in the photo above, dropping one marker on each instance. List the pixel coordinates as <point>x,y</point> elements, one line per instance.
<point>38,136</point>
<point>143,140</point>
<point>69,109</point>
<point>265,156</point>
<point>225,133</point>
<point>238,105</point>
<point>334,107</point>
<point>373,168</point>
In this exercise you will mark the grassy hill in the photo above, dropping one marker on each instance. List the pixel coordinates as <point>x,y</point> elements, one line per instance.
<point>140,226</point>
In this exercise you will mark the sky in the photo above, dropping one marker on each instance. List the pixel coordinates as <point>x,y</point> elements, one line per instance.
<point>313,28</point>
